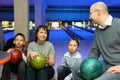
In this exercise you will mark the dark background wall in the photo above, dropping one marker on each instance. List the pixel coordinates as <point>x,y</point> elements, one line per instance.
<point>54,13</point>
<point>81,2</point>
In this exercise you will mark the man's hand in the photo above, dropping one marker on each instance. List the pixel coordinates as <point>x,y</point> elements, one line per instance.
<point>114,69</point>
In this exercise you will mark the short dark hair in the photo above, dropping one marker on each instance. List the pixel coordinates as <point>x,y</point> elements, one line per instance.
<point>37,30</point>
<point>75,39</point>
<point>20,34</point>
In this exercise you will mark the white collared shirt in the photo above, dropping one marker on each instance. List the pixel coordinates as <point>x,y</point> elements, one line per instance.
<point>108,22</point>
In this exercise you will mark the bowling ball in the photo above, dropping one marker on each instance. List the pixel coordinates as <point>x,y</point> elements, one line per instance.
<point>91,68</point>
<point>38,62</point>
<point>16,56</point>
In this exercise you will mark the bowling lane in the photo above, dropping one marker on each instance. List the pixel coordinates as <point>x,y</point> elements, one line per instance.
<point>8,35</point>
<point>58,36</point>
<point>60,40</point>
<point>83,33</point>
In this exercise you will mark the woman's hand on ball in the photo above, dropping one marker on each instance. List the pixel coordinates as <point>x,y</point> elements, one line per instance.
<point>33,54</point>
<point>47,60</point>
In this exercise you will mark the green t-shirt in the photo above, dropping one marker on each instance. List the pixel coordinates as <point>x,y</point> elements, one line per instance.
<point>46,48</point>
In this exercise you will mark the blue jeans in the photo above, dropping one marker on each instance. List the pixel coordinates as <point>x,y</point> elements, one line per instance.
<point>104,76</point>
<point>42,74</point>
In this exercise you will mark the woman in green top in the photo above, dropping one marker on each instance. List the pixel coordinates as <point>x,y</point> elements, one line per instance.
<point>41,45</point>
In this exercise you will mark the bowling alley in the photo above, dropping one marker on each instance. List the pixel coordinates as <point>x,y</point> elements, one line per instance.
<point>52,39</point>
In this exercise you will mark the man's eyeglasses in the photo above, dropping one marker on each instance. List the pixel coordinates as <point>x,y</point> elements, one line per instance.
<point>93,12</point>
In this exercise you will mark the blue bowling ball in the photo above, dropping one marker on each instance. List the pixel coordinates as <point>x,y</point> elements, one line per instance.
<point>91,68</point>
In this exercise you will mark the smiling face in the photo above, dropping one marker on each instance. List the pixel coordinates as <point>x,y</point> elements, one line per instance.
<point>99,13</point>
<point>42,35</point>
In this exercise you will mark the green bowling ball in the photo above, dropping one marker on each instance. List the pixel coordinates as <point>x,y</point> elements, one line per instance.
<point>38,62</point>
<point>91,68</point>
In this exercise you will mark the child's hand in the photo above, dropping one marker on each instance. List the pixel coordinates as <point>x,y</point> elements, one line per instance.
<point>10,50</point>
<point>65,79</point>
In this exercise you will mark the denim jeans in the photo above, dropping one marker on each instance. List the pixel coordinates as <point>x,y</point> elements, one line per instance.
<point>42,74</point>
